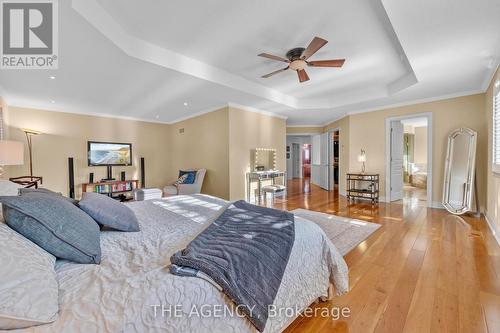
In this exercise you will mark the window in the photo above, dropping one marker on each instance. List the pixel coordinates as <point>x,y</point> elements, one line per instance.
<point>496,133</point>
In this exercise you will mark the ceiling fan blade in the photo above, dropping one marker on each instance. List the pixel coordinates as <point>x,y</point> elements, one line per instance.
<point>327,63</point>
<point>273,57</point>
<point>313,47</point>
<point>275,72</point>
<point>302,75</point>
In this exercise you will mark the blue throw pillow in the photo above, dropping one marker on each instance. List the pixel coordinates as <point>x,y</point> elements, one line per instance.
<point>191,176</point>
<point>56,225</point>
<point>109,212</point>
<point>44,191</point>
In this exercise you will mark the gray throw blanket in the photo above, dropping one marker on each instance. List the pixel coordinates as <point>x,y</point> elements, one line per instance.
<point>245,251</point>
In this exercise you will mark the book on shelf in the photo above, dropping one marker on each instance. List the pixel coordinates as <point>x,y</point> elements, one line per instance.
<point>111,188</point>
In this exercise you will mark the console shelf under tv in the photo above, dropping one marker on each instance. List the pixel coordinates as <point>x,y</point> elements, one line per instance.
<point>111,188</point>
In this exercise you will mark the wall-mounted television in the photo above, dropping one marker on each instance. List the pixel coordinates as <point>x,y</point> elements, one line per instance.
<point>109,153</point>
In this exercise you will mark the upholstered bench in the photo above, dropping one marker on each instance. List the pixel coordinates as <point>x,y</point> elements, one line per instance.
<point>274,190</point>
<point>142,194</point>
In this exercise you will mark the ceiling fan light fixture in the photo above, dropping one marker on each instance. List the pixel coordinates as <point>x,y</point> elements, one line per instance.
<point>297,59</point>
<point>298,64</point>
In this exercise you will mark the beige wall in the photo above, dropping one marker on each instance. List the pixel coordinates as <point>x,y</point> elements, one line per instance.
<point>218,141</point>
<point>493,180</point>
<point>249,130</point>
<point>367,131</point>
<point>304,130</point>
<point>420,145</point>
<point>66,135</point>
<point>204,144</point>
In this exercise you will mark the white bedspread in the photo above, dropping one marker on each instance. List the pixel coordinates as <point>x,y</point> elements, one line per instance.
<point>121,294</point>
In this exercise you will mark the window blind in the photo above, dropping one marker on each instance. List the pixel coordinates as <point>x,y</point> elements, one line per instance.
<point>496,131</point>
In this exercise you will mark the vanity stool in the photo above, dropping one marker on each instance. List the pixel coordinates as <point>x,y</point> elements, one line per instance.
<point>274,190</point>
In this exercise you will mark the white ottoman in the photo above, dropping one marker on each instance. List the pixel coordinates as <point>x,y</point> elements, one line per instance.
<point>142,194</point>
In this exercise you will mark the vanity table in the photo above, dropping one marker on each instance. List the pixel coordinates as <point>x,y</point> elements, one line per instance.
<point>263,170</point>
<point>261,176</point>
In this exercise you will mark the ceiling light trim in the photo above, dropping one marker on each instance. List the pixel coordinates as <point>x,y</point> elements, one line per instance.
<point>146,51</point>
<point>255,110</point>
<point>98,17</point>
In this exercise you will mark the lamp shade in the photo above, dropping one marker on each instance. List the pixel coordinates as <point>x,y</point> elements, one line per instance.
<point>11,152</point>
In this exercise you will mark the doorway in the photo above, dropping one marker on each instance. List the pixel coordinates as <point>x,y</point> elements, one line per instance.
<point>408,159</point>
<point>296,168</point>
<point>306,160</point>
<point>335,159</point>
<point>299,158</point>
<point>325,167</point>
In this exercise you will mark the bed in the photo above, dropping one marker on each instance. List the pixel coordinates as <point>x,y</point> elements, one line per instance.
<point>132,289</point>
<point>419,175</point>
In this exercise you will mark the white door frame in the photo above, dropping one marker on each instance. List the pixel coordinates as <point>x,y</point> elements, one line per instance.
<point>388,120</point>
<point>330,159</point>
<point>297,169</point>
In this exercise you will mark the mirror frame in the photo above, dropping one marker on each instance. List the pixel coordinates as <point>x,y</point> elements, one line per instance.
<point>467,204</point>
<point>254,158</point>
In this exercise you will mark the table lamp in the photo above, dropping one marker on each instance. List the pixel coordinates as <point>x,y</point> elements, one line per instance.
<point>362,159</point>
<point>11,153</point>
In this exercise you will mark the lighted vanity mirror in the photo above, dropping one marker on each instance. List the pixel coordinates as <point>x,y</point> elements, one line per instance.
<point>459,171</point>
<point>263,159</point>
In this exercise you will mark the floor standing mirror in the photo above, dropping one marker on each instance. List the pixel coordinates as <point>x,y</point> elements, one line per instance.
<point>459,175</point>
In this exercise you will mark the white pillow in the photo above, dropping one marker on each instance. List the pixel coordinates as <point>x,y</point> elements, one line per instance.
<point>28,286</point>
<point>7,188</point>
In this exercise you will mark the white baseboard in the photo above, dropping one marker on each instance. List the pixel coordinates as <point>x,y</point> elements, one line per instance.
<point>436,204</point>
<point>494,232</point>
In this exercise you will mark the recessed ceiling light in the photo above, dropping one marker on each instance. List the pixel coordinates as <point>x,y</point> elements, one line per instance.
<point>186,104</point>
<point>53,102</point>
<point>52,77</point>
<point>157,116</point>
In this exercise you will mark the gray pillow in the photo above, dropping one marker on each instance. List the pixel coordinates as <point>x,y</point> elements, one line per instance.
<point>55,225</point>
<point>109,212</point>
<point>41,191</point>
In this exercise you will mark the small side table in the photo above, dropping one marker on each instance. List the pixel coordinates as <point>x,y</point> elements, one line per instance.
<point>27,181</point>
<point>370,190</point>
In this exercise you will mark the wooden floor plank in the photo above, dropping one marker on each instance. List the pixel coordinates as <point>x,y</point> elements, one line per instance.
<point>424,270</point>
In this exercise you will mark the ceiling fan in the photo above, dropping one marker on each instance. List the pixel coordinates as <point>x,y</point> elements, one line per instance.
<point>297,59</point>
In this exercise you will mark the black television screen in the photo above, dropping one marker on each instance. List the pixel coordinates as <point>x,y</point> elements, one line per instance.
<point>109,153</point>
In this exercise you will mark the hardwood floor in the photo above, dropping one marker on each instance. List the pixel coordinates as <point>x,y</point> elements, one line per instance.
<point>424,270</point>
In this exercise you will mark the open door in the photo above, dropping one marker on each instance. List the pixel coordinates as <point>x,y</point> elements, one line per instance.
<point>296,172</point>
<point>397,139</point>
<point>319,163</point>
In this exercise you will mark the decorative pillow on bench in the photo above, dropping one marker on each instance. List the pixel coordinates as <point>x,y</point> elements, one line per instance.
<point>109,212</point>
<point>55,225</point>
<point>182,180</point>
<point>191,176</point>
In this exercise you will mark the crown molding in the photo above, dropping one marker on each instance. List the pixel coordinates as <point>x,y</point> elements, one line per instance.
<point>255,110</point>
<point>197,114</point>
<point>299,126</point>
<point>408,103</point>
